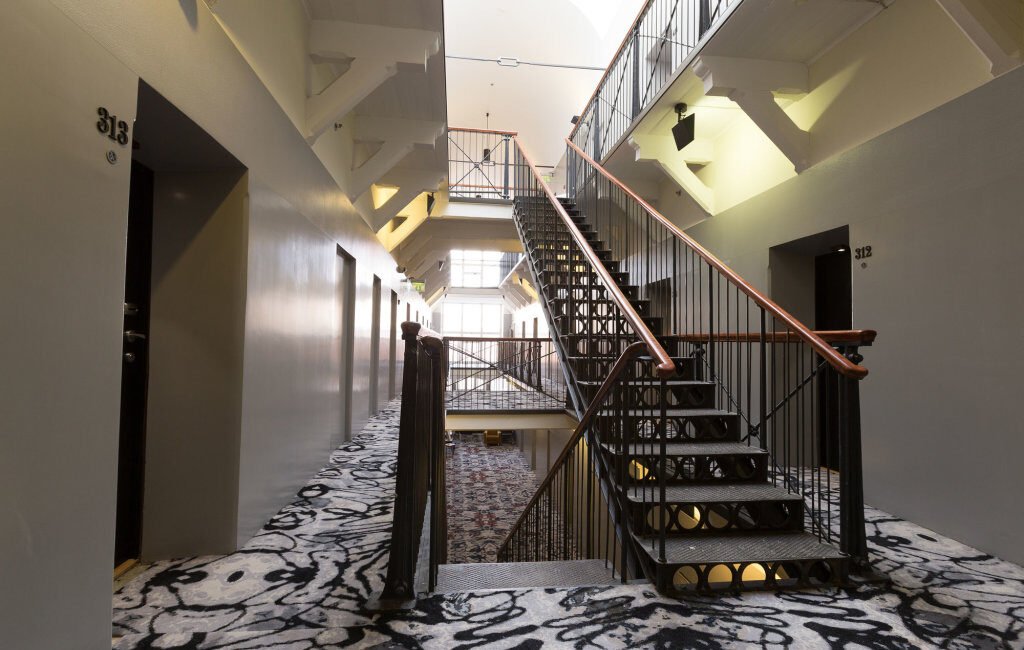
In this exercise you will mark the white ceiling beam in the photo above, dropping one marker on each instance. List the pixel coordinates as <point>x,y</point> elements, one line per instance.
<point>338,40</point>
<point>428,256</point>
<point>344,94</point>
<point>750,83</point>
<point>410,183</point>
<point>399,136</point>
<point>1001,46</point>
<point>725,72</point>
<point>660,151</point>
<point>762,109</point>
<point>368,128</point>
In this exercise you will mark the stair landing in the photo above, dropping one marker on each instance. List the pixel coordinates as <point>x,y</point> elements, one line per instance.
<point>457,578</point>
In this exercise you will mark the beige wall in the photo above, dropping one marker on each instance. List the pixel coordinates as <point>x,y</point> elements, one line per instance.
<point>193,418</point>
<point>939,200</point>
<point>63,224</point>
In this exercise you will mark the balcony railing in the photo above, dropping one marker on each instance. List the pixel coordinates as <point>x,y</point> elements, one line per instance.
<point>503,374</point>
<point>658,42</point>
<point>480,164</point>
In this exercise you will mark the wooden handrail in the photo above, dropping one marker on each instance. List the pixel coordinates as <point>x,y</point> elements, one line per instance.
<point>631,352</point>
<point>492,131</point>
<point>841,337</point>
<point>842,365</point>
<point>412,330</point>
<point>666,367</point>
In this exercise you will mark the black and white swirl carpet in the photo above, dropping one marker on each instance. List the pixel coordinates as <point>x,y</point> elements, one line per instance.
<point>299,584</point>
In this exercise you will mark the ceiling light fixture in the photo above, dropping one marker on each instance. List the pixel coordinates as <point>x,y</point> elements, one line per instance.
<point>683,130</point>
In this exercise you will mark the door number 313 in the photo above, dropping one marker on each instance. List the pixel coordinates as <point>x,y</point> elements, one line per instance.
<point>862,253</point>
<point>110,126</point>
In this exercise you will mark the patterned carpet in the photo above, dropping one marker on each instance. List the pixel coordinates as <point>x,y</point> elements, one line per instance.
<point>488,488</point>
<point>299,584</point>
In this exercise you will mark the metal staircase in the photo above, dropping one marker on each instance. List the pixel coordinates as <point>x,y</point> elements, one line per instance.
<point>698,463</point>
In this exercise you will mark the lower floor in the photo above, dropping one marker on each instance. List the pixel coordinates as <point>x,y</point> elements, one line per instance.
<point>301,581</point>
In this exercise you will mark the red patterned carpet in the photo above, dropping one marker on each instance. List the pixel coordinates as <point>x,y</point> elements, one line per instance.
<point>488,488</point>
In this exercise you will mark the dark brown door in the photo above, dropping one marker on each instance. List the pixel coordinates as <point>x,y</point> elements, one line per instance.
<point>135,366</point>
<point>833,310</point>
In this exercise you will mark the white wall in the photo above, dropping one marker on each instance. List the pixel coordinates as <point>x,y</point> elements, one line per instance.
<point>62,244</point>
<point>939,200</point>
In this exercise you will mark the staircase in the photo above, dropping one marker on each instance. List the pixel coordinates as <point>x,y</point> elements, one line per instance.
<point>702,405</point>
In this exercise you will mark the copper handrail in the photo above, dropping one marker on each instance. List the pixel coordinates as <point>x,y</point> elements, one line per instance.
<point>492,131</point>
<point>842,365</point>
<point>631,352</point>
<point>666,367</point>
<point>835,337</point>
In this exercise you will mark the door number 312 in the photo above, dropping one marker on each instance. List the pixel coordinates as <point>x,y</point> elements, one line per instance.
<point>862,253</point>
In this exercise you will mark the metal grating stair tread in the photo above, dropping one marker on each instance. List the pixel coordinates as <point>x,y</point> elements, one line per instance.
<point>689,449</point>
<point>455,578</point>
<point>714,493</point>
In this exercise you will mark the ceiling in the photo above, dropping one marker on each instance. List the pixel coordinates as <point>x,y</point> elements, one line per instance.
<point>537,102</point>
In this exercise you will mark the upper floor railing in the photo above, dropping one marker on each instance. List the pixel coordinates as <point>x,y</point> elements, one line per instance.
<point>660,39</point>
<point>480,164</point>
<point>503,375</point>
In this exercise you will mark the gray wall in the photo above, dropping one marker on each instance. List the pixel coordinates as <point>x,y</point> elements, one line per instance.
<point>940,200</point>
<point>62,253</point>
<point>290,401</point>
<point>63,225</point>
<point>195,367</point>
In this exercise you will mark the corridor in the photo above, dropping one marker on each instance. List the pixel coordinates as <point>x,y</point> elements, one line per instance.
<point>299,584</point>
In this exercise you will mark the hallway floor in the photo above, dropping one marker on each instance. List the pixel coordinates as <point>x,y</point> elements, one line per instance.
<point>488,488</point>
<point>299,583</point>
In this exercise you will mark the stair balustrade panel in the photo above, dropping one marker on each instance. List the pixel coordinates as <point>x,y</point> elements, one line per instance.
<point>781,389</point>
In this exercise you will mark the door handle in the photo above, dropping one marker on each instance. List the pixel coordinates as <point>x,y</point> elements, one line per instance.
<point>132,336</point>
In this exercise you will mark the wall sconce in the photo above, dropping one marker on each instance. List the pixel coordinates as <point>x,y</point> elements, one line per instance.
<point>683,131</point>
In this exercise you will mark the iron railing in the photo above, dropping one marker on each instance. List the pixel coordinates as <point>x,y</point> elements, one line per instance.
<point>659,41</point>
<point>480,164</point>
<point>503,374</point>
<point>795,393</point>
<point>577,513</point>
<point>420,514</point>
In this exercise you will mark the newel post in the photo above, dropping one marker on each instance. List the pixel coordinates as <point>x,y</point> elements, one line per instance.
<point>399,586</point>
<point>852,535</point>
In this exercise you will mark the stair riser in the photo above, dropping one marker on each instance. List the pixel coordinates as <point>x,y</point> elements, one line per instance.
<point>771,574</point>
<point>644,428</point>
<point>685,519</point>
<point>650,397</point>
<point>561,266</point>
<point>689,470</point>
<point>596,368</point>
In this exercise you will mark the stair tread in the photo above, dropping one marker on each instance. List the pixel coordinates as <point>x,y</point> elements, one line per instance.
<point>455,578</point>
<point>689,448</point>
<point>746,547</point>
<point>714,493</point>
